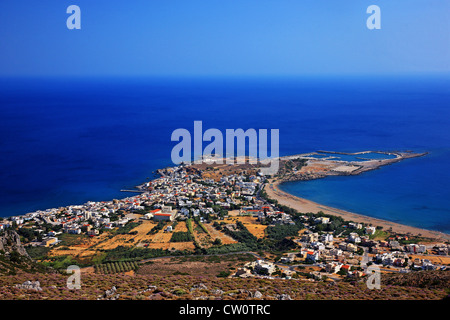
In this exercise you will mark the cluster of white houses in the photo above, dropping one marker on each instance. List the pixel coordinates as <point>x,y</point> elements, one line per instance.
<point>176,194</point>
<point>179,194</point>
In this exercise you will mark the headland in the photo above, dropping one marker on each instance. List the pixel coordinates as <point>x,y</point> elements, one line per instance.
<point>321,164</point>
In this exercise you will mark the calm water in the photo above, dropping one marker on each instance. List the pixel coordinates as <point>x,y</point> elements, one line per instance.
<point>353,157</point>
<point>70,141</point>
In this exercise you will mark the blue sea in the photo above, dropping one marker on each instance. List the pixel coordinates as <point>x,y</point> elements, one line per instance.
<point>68,141</point>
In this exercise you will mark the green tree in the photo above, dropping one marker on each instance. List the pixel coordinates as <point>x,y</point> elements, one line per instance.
<point>15,256</point>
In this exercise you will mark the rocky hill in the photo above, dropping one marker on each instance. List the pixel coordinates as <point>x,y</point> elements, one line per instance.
<point>13,256</point>
<point>10,242</point>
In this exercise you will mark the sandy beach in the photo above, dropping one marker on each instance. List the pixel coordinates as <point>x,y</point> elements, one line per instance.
<point>304,205</point>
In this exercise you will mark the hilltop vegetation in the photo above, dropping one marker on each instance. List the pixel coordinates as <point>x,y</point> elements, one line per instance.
<point>115,267</point>
<point>209,278</point>
<point>420,279</point>
<point>186,287</point>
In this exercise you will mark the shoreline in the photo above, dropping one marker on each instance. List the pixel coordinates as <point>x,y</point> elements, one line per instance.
<point>304,205</point>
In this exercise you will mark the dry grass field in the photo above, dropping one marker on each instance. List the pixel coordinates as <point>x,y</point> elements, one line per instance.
<point>161,237</point>
<point>251,223</point>
<point>226,239</point>
<point>129,240</point>
<point>202,237</point>
<point>85,248</point>
<point>315,166</point>
<point>180,227</point>
<point>445,260</point>
<point>88,247</point>
<point>161,240</point>
<point>77,246</point>
<point>202,266</point>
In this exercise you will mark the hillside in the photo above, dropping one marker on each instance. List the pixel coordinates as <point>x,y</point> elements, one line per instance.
<point>132,286</point>
<point>14,257</point>
<point>420,279</point>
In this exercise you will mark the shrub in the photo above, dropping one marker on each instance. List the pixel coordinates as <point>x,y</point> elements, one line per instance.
<point>181,236</point>
<point>179,292</point>
<point>279,232</point>
<point>223,274</point>
<point>157,228</point>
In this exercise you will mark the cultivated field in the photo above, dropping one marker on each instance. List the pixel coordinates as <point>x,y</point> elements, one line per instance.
<point>161,237</point>
<point>129,240</point>
<point>171,245</point>
<point>161,240</point>
<point>76,245</point>
<point>445,260</point>
<point>86,248</point>
<point>194,266</point>
<point>251,223</point>
<point>202,237</point>
<point>226,239</point>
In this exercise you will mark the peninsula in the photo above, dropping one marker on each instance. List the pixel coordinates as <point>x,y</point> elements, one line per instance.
<point>321,164</point>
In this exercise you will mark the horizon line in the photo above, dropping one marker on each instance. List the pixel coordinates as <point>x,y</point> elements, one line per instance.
<point>229,76</point>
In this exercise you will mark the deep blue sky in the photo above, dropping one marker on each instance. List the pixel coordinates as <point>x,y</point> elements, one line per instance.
<point>223,37</point>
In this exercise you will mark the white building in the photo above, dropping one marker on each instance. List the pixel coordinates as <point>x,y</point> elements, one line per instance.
<point>415,248</point>
<point>333,267</point>
<point>354,225</point>
<point>354,238</point>
<point>327,237</point>
<point>323,220</point>
<point>370,230</point>
<point>318,245</point>
<point>264,267</point>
